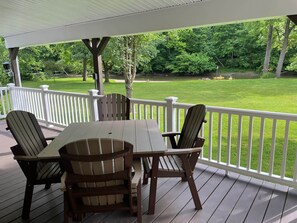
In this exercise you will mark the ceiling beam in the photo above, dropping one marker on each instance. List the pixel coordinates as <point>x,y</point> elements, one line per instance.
<point>191,15</point>
<point>293,18</point>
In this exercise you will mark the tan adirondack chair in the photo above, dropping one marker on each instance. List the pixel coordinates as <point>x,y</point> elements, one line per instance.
<point>114,107</point>
<point>31,141</point>
<point>98,178</point>
<point>180,161</point>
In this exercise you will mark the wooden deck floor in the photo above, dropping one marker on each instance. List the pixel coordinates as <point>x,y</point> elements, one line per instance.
<point>232,198</point>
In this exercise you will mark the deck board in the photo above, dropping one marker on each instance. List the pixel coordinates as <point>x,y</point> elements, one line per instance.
<point>260,204</point>
<point>183,197</point>
<point>226,206</point>
<point>232,198</point>
<point>214,200</point>
<point>276,204</point>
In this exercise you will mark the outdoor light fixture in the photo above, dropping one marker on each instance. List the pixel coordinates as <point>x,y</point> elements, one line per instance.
<point>7,68</point>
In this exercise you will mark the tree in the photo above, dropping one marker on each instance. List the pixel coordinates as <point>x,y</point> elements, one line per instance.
<point>82,53</point>
<point>111,57</point>
<point>4,78</point>
<point>282,55</point>
<point>130,60</point>
<point>268,47</point>
<point>136,50</point>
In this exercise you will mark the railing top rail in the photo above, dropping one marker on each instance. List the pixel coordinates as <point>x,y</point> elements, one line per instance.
<point>182,105</point>
<point>24,88</point>
<point>52,91</point>
<point>144,101</point>
<point>66,93</point>
<point>256,113</point>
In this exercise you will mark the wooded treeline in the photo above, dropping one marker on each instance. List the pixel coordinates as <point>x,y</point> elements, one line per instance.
<point>262,46</point>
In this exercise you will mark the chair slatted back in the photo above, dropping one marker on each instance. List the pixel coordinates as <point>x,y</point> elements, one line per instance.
<point>26,131</point>
<point>114,107</point>
<point>192,125</point>
<point>28,135</point>
<point>101,169</point>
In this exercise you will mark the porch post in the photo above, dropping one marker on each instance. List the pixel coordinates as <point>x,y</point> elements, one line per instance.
<point>10,87</point>
<point>13,56</point>
<point>45,106</point>
<point>96,47</point>
<point>171,117</point>
<point>93,105</point>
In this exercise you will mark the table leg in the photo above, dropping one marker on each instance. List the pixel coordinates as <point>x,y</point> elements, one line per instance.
<point>153,188</point>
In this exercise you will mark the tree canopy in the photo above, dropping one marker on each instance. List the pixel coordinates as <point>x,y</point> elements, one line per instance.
<point>195,51</point>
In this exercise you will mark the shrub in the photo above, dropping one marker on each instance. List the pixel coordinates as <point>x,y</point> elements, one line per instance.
<point>267,75</point>
<point>194,63</point>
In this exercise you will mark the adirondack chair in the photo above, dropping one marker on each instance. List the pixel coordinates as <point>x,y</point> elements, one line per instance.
<point>98,178</point>
<point>180,161</point>
<point>31,141</point>
<point>114,107</point>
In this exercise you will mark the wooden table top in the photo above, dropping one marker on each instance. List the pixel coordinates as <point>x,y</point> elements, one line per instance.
<point>145,135</point>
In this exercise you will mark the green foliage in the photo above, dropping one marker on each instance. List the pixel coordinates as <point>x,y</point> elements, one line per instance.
<point>4,78</point>
<point>30,61</point>
<point>194,63</point>
<point>111,56</point>
<point>268,75</point>
<point>293,65</point>
<point>147,50</point>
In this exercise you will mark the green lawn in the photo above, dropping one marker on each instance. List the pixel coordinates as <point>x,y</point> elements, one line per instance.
<point>260,94</point>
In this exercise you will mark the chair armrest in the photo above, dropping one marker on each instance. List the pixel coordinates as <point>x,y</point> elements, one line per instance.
<point>26,158</point>
<point>137,173</point>
<point>183,151</point>
<point>171,136</point>
<point>63,179</point>
<point>50,138</point>
<point>168,134</point>
<point>34,159</point>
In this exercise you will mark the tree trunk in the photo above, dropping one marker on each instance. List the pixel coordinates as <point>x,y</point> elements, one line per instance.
<point>284,48</point>
<point>85,69</point>
<point>129,57</point>
<point>106,71</point>
<point>268,49</point>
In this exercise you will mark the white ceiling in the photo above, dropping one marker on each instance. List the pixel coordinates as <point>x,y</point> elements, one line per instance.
<point>32,22</point>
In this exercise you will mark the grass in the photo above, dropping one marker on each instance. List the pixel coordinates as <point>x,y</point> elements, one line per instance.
<point>278,95</point>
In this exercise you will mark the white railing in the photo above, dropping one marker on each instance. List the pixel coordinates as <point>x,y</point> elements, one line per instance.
<point>5,103</point>
<point>254,143</point>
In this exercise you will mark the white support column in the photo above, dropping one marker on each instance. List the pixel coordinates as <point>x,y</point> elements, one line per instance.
<point>10,87</point>
<point>171,117</point>
<point>93,105</point>
<point>18,71</point>
<point>45,103</point>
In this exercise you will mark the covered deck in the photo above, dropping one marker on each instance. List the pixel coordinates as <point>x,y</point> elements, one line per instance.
<point>225,198</point>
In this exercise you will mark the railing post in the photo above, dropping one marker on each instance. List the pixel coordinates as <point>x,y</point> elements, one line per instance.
<point>93,105</point>
<point>45,104</point>
<point>13,100</point>
<point>171,117</point>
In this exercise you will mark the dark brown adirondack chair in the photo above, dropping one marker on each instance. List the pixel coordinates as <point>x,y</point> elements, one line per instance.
<point>114,107</point>
<point>180,161</point>
<point>98,178</point>
<point>31,141</point>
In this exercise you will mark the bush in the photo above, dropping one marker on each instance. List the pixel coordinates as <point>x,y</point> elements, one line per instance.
<point>267,75</point>
<point>4,78</point>
<point>194,63</point>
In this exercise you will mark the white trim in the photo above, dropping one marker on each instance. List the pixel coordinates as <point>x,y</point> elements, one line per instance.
<point>210,12</point>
